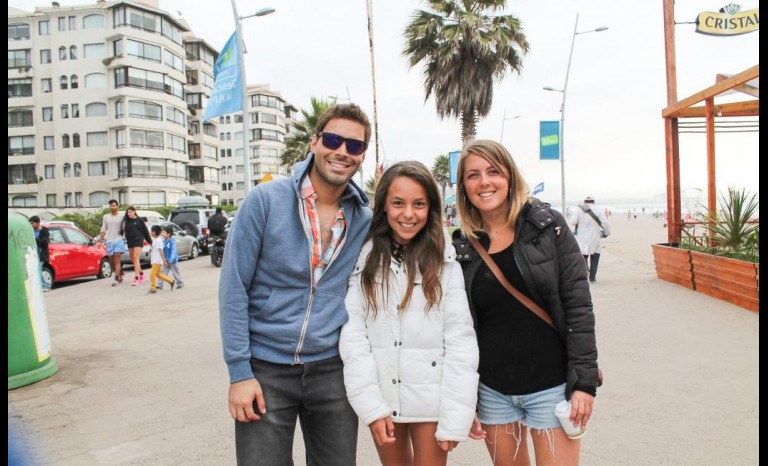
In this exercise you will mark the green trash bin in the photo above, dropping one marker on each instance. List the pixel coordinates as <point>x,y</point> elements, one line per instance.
<point>29,343</point>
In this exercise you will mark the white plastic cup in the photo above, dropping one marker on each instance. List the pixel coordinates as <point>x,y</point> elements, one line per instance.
<point>563,411</point>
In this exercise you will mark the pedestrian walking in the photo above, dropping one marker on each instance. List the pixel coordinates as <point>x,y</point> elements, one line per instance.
<point>112,234</point>
<point>158,259</point>
<point>42,240</point>
<point>171,264</point>
<point>591,226</point>
<point>136,234</point>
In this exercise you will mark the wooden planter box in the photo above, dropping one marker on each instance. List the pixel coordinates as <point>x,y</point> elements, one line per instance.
<point>673,264</point>
<point>731,280</point>
<point>728,279</point>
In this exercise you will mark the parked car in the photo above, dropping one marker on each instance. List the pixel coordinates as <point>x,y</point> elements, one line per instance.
<point>73,254</point>
<point>186,245</point>
<point>194,222</point>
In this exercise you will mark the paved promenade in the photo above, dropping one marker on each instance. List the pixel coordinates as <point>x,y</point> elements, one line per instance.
<point>141,379</point>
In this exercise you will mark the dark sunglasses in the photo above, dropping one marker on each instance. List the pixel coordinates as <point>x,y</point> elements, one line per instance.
<point>334,141</point>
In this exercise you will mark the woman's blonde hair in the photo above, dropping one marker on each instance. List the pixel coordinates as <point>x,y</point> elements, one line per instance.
<point>495,154</point>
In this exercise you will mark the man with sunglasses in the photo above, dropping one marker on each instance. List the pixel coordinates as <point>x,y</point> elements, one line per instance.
<point>281,300</point>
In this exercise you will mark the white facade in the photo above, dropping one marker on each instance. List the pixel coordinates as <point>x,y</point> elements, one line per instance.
<point>269,122</point>
<point>105,102</point>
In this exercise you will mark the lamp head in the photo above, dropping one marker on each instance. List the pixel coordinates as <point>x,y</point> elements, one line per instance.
<point>268,11</point>
<point>550,88</point>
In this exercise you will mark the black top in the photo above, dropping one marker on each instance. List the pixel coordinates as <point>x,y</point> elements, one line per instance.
<point>519,352</point>
<point>136,232</point>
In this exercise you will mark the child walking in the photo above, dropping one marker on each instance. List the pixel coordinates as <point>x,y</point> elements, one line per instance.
<point>409,348</point>
<point>157,259</point>
<point>171,258</point>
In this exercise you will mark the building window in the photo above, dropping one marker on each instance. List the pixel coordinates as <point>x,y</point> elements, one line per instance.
<point>65,111</point>
<point>75,110</point>
<point>73,81</point>
<point>20,87</point>
<point>21,145</point>
<point>72,23</point>
<point>96,81</point>
<point>50,200</point>
<point>97,139</point>
<point>44,28</point>
<point>62,23</point>
<point>62,53</point>
<point>46,84</point>
<point>73,52</point>
<point>18,31</point>
<point>95,51</point>
<point>96,109</point>
<point>63,83</point>
<point>68,200</point>
<point>47,113</point>
<point>50,172</point>
<point>67,170</point>
<point>93,22</point>
<point>77,170</point>
<point>45,56</point>
<point>48,143</point>
<point>76,142</point>
<point>19,118</point>
<point>97,169</point>
<point>19,58</point>
<point>65,141</point>
<point>98,198</point>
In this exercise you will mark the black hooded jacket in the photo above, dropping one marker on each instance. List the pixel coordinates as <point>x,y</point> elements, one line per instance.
<point>549,259</point>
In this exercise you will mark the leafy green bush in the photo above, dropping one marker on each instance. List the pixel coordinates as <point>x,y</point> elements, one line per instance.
<point>731,229</point>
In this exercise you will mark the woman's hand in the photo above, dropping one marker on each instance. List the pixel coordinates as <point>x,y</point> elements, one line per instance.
<point>383,431</point>
<point>447,445</point>
<point>582,404</point>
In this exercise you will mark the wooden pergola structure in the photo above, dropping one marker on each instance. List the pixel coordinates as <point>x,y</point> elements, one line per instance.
<point>686,108</point>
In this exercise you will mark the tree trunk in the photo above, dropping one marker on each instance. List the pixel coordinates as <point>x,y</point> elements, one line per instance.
<point>468,126</point>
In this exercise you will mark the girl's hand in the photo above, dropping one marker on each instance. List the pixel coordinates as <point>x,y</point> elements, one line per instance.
<point>477,432</point>
<point>383,431</point>
<point>447,445</point>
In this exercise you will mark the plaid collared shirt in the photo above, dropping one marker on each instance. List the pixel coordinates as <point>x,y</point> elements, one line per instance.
<point>311,222</point>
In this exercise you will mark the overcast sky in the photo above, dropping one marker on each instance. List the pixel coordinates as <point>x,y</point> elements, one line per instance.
<point>614,133</point>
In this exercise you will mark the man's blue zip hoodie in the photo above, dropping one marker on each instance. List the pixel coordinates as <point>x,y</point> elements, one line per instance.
<point>268,307</point>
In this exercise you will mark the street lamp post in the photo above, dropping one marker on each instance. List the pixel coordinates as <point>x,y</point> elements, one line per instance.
<point>503,120</point>
<point>564,90</point>
<point>241,58</point>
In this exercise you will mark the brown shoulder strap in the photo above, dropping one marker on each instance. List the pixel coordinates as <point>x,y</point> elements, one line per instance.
<point>525,300</point>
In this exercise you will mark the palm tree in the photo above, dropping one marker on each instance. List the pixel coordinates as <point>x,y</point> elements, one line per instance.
<point>297,143</point>
<point>370,187</point>
<point>464,51</point>
<point>441,170</point>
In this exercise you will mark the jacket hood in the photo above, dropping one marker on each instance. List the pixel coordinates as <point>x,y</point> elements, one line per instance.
<point>301,171</point>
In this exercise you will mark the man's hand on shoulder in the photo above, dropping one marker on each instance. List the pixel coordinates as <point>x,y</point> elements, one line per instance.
<point>242,395</point>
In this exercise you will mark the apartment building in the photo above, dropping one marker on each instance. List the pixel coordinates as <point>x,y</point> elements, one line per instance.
<point>106,101</point>
<point>270,118</point>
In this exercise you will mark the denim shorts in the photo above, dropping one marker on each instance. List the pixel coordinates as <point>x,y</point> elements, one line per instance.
<point>115,247</point>
<point>535,410</point>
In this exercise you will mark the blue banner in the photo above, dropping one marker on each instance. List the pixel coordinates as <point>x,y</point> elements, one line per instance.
<point>227,95</point>
<point>549,140</point>
<point>537,189</point>
<point>453,158</point>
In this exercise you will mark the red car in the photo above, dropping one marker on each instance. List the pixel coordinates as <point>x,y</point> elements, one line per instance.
<point>73,254</point>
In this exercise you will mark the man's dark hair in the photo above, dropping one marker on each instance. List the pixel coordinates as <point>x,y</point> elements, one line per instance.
<point>113,201</point>
<point>218,210</point>
<point>346,112</point>
<point>34,219</point>
<point>156,229</point>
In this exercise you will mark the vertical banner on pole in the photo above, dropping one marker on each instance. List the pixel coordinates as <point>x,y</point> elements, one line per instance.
<point>453,159</point>
<point>549,140</point>
<point>227,94</point>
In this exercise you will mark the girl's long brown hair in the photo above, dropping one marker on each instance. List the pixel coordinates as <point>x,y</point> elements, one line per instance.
<point>427,249</point>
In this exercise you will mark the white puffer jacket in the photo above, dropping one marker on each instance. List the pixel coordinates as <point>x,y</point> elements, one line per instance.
<point>412,365</point>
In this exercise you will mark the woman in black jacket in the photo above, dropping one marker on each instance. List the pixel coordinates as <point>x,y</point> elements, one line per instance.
<point>527,366</point>
<point>136,233</point>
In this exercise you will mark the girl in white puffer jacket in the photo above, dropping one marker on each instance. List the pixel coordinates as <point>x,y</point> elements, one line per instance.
<point>409,348</point>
